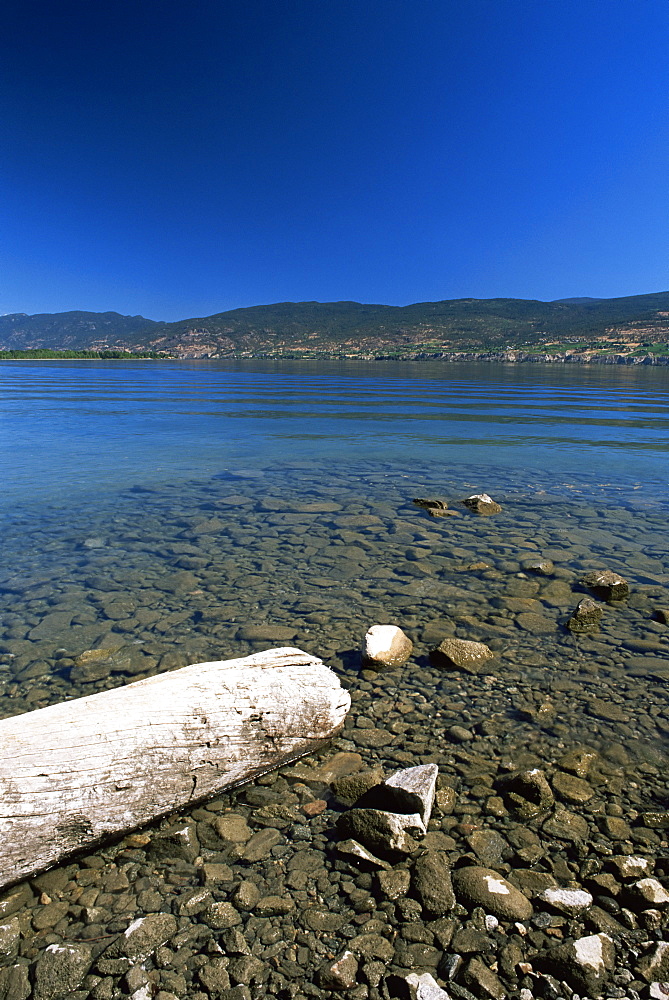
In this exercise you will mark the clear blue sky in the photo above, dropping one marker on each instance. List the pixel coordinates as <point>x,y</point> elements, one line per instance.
<point>176,159</point>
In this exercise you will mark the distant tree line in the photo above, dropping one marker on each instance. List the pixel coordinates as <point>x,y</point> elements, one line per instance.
<point>40,353</point>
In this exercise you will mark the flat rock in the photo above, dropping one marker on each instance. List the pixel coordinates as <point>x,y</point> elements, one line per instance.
<point>571,789</point>
<point>485,887</point>
<point>266,633</point>
<point>432,884</point>
<point>569,901</point>
<point>460,654</point>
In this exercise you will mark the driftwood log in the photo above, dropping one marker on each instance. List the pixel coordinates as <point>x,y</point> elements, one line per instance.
<point>75,773</point>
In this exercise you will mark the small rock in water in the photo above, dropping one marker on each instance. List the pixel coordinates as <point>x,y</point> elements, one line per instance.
<point>607,585</point>
<point>481,503</point>
<point>386,646</point>
<point>460,654</point>
<point>435,508</point>
<point>542,567</point>
<point>586,617</point>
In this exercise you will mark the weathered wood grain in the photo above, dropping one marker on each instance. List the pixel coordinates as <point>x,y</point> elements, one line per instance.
<point>75,773</point>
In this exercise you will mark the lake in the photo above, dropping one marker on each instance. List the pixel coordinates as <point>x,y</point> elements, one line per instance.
<point>170,513</point>
<point>283,491</point>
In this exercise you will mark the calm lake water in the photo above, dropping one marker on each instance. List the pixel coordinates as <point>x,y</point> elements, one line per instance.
<point>78,432</point>
<point>159,514</point>
<point>158,509</point>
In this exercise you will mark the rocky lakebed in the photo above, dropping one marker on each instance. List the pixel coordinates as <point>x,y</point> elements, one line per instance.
<point>491,821</point>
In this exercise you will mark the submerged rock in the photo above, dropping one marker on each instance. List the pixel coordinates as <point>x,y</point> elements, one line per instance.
<point>435,508</point>
<point>460,654</point>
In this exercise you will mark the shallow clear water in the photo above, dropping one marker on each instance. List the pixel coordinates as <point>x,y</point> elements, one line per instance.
<point>160,508</point>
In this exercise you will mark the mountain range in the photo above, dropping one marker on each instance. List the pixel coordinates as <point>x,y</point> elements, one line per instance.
<point>635,325</point>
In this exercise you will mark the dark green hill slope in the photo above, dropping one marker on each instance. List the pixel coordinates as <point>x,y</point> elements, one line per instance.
<point>73,331</point>
<point>634,324</point>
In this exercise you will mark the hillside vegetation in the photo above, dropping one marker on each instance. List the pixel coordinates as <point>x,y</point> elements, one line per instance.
<point>635,326</point>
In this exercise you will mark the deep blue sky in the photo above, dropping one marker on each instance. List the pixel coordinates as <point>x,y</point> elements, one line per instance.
<point>176,159</point>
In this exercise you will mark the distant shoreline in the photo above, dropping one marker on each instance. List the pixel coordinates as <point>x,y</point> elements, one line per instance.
<point>505,357</point>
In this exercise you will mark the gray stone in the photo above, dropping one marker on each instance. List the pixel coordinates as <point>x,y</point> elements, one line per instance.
<point>10,932</point>
<point>631,865</point>
<point>536,624</point>
<point>485,887</point>
<point>339,973</point>
<point>352,786</point>
<point>382,831</point>
<point>220,916</point>
<point>571,789</point>
<point>372,946</point>
<point>528,792</point>
<point>267,633</point>
<point>258,847</point>
<point>246,970</point>
<point>393,884</point>
<point>569,901</point>
<point>232,827</point>
<point>352,849</point>
<point>431,878</point>
<point>386,646</point>
<point>214,976</point>
<point>179,841</point>
<point>485,983</point>
<point>566,825</point>
<point>14,983</point>
<point>60,970</point>
<point>542,567</point>
<point>13,899</point>
<point>649,892</point>
<point>460,654</point>
<point>246,895</point>
<point>654,965</point>
<point>143,936</point>
<point>586,617</point>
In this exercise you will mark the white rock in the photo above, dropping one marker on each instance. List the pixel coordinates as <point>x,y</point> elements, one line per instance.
<point>569,901</point>
<point>413,789</point>
<point>651,891</point>
<point>589,951</point>
<point>425,987</point>
<point>387,646</point>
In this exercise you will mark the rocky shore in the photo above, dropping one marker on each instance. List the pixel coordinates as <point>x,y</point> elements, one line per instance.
<point>538,865</point>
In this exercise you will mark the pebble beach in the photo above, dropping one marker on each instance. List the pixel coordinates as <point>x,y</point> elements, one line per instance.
<point>550,757</point>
